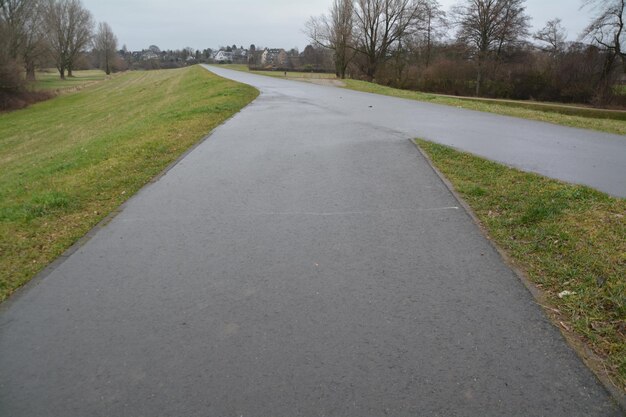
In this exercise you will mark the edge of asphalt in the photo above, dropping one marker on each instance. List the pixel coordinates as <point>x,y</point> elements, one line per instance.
<point>60,259</point>
<point>589,358</point>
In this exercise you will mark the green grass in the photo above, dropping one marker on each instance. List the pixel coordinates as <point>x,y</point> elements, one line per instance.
<point>49,80</point>
<point>68,162</point>
<point>565,237</point>
<point>580,117</point>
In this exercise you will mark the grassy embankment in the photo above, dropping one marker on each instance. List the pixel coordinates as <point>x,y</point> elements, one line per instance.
<point>68,162</point>
<point>573,116</point>
<point>564,237</point>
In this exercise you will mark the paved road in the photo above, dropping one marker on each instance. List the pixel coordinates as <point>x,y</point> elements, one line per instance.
<point>300,262</point>
<point>573,155</point>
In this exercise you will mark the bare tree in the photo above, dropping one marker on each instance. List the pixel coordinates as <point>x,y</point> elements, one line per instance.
<point>553,34</point>
<point>12,14</point>
<point>487,26</point>
<point>105,43</point>
<point>379,26</point>
<point>432,20</point>
<point>69,31</point>
<point>10,77</point>
<point>34,43</point>
<point>513,24</point>
<point>56,33</point>
<point>23,32</point>
<point>342,16</point>
<point>81,31</point>
<point>334,31</point>
<point>607,31</point>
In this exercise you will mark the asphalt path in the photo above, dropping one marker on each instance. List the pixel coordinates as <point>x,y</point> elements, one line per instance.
<point>573,155</point>
<point>302,261</point>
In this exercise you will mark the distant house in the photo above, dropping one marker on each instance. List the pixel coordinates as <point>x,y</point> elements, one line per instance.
<point>240,55</point>
<point>274,57</point>
<point>223,56</point>
<point>148,55</point>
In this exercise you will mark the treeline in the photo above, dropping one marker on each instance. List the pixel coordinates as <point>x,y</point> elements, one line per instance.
<point>42,33</point>
<point>478,47</point>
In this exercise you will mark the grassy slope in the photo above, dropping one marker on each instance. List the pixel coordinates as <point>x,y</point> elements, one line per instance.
<point>68,162</point>
<point>565,237</point>
<point>587,118</point>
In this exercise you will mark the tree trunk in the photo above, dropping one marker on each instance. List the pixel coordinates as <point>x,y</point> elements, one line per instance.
<point>605,86</point>
<point>428,42</point>
<point>339,64</point>
<point>69,72</point>
<point>107,66</point>
<point>62,73</point>
<point>479,78</point>
<point>30,71</point>
<point>371,69</point>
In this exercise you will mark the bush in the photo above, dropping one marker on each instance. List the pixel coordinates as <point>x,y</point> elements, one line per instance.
<point>13,92</point>
<point>11,79</point>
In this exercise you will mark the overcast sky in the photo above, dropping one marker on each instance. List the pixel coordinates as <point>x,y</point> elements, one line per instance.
<point>204,24</point>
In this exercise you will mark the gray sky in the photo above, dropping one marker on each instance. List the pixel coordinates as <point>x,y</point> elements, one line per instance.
<point>204,24</point>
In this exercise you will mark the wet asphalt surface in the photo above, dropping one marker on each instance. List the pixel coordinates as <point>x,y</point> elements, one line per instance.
<point>573,155</point>
<point>302,261</point>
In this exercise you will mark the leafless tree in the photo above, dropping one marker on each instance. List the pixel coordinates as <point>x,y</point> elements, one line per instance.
<point>379,26</point>
<point>431,20</point>
<point>607,28</point>
<point>13,14</point>
<point>105,43</point>
<point>553,34</point>
<point>24,32</point>
<point>487,26</point>
<point>607,31</point>
<point>10,79</point>
<point>34,44</point>
<point>334,31</point>
<point>69,31</point>
<point>513,24</point>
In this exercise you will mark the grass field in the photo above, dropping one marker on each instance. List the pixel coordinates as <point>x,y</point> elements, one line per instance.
<point>581,117</point>
<point>68,162</point>
<point>564,237</point>
<point>49,80</point>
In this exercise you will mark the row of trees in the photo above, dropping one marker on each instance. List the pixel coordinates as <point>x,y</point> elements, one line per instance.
<point>33,32</point>
<point>481,47</point>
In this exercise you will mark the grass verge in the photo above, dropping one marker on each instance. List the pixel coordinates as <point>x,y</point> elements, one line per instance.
<point>609,121</point>
<point>68,162</point>
<point>564,237</point>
